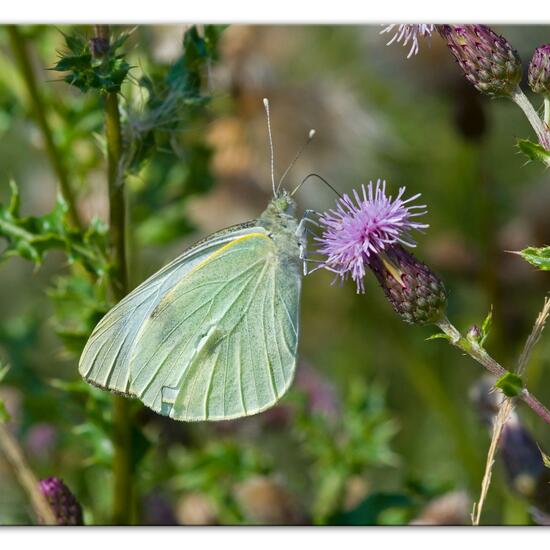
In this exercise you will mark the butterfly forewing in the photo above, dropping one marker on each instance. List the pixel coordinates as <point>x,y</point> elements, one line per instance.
<point>105,359</point>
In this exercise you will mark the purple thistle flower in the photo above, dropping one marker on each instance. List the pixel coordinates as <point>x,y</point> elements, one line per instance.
<point>355,232</point>
<point>64,504</point>
<point>409,33</point>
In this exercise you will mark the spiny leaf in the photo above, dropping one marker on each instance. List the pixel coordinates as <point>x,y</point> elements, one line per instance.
<point>539,257</point>
<point>534,151</point>
<point>510,383</point>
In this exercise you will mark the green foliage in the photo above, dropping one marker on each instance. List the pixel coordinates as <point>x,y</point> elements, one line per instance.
<point>215,469</point>
<point>165,145</point>
<point>510,383</point>
<point>4,414</point>
<point>91,65</point>
<point>79,303</point>
<point>339,450</point>
<point>534,151</point>
<point>372,510</point>
<point>539,257</point>
<point>31,237</point>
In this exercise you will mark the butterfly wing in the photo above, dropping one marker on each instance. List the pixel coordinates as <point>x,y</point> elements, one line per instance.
<point>213,336</point>
<point>105,359</point>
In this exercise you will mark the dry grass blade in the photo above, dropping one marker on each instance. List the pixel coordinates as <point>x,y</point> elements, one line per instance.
<point>505,409</point>
<point>26,477</point>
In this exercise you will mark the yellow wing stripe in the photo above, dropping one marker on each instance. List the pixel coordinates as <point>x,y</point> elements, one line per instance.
<point>224,248</point>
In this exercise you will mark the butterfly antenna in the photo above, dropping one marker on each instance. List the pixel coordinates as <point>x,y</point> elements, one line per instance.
<point>309,138</point>
<point>266,105</point>
<point>315,176</point>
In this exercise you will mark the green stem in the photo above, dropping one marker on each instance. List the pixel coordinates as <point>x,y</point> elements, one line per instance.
<point>475,351</point>
<point>19,47</point>
<point>123,465</point>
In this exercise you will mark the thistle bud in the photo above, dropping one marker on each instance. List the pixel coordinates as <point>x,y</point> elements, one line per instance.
<point>488,60</point>
<point>414,291</point>
<point>99,46</point>
<point>539,70</point>
<point>65,507</point>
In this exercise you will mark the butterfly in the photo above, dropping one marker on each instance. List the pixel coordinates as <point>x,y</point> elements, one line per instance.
<point>214,334</point>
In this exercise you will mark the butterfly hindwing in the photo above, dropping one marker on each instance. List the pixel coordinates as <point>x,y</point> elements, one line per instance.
<point>222,343</point>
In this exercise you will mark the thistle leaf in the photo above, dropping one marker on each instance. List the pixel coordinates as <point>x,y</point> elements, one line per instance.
<point>31,237</point>
<point>534,151</point>
<point>486,327</point>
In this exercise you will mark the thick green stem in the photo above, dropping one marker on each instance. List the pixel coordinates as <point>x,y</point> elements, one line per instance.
<point>123,464</point>
<point>475,351</point>
<point>22,57</point>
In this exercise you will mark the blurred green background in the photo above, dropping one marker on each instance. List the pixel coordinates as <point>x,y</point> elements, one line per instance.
<point>379,422</point>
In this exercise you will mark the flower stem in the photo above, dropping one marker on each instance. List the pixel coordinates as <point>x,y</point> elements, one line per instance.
<point>19,47</point>
<point>475,351</point>
<point>520,99</point>
<point>123,465</point>
<point>26,477</point>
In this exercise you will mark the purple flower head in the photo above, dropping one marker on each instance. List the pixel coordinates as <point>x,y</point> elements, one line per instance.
<point>409,33</point>
<point>487,59</point>
<point>357,231</point>
<point>539,70</point>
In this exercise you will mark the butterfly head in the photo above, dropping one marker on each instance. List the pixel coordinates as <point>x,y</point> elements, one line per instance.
<point>283,203</point>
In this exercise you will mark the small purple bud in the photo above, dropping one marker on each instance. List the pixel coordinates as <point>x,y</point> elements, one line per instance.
<point>487,59</point>
<point>66,508</point>
<point>539,70</point>
<point>474,334</point>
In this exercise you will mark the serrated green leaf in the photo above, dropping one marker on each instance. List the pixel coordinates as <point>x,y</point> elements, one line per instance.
<point>31,237</point>
<point>534,151</point>
<point>539,257</point>
<point>510,383</point>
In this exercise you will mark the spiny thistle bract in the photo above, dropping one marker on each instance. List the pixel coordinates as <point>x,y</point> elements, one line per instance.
<point>488,60</point>
<point>415,292</point>
<point>369,233</point>
<point>539,70</point>
<point>64,504</point>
